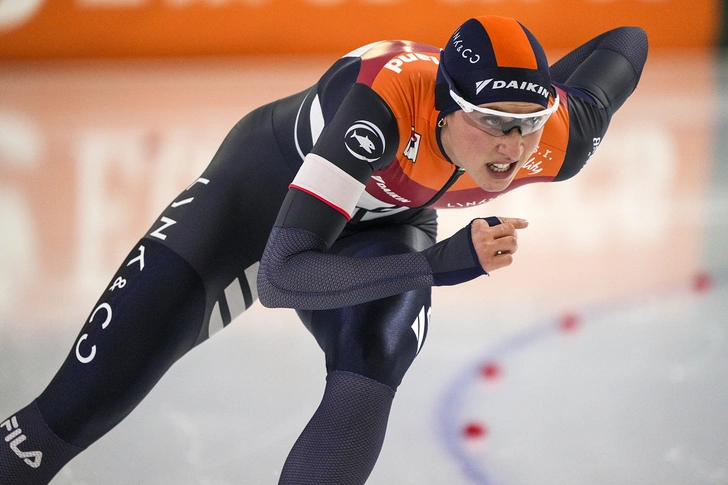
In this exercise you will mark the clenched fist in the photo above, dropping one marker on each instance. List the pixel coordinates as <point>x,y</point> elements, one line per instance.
<point>495,245</point>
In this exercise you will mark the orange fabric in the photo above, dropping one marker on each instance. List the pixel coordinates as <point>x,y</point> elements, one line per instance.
<point>114,28</point>
<point>395,88</point>
<point>421,170</point>
<point>549,157</point>
<point>510,43</point>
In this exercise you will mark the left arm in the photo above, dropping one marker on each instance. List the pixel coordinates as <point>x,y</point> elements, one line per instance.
<point>607,67</point>
<point>598,77</point>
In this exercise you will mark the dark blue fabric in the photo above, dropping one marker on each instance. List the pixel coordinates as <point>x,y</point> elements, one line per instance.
<point>30,454</point>
<point>156,317</point>
<point>454,260</point>
<point>469,58</point>
<point>341,443</point>
<point>375,339</point>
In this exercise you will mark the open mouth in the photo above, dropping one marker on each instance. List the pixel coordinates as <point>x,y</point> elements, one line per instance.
<point>499,167</point>
<point>499,170</point>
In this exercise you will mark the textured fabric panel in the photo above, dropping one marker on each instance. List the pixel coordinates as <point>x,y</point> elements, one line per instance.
<point>341,443</point>
<point>297,273</point>
<point>631,42</point>
<point>564,67</point>
<point>378,339</point>
<point>30,454</point>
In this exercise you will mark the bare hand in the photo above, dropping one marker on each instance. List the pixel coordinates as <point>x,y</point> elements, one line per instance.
<point>496,245</point>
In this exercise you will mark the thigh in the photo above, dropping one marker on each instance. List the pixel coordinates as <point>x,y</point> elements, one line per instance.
<point>378,339</point>
<point>220,223</point>
<point>186,278</point>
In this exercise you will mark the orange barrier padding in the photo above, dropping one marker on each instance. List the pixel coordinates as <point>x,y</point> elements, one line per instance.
<point>125,28</point>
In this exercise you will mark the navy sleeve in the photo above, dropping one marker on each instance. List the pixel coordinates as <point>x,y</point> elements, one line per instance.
<point>297,273</point>
<point>598,77</point>
<point>607,67</point>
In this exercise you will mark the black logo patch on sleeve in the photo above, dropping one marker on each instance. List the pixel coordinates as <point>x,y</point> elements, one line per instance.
<point>365,141</point>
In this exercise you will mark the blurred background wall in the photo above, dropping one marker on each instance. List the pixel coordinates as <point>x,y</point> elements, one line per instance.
<point>110,108</point>
<point>132,28</point>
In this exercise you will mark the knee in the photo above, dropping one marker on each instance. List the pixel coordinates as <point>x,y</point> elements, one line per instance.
<point>378,340</point>
<point>384,358</point>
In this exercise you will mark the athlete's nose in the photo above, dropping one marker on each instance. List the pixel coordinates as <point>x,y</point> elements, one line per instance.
<point>511,144</point>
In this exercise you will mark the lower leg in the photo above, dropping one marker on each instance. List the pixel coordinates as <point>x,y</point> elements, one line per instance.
<point>22,437</point>
<point>342,441</point>
<point>149,316</point>
<point>369,348</point>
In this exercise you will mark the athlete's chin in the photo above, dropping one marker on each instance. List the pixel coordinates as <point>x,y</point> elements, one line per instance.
<point>490,184</point>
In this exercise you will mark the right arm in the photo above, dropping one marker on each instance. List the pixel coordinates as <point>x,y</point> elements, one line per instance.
<point>297,271</point>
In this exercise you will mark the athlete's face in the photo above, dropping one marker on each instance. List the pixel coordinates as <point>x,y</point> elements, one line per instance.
<point>492,161</point>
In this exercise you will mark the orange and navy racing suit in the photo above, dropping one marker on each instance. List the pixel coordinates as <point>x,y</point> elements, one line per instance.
<point>325,202</point>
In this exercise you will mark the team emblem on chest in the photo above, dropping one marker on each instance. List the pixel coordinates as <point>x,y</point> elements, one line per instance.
<point>413,146</point>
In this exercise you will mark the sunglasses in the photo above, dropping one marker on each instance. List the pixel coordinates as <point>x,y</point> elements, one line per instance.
<point>500,123</point>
